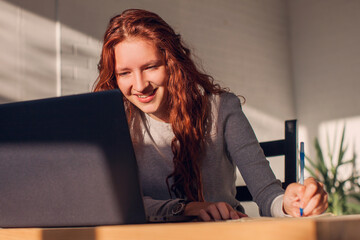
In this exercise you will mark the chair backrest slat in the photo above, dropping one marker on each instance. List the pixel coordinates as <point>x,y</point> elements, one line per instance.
<point>286,147</point>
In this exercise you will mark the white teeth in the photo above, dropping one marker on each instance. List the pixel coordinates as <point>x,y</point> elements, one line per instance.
<point>145,96</point>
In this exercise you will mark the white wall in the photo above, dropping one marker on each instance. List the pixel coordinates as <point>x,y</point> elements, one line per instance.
<point>325,37</point>
<point>28,54</point>
<point>243,44</point>
<point>290,59</point>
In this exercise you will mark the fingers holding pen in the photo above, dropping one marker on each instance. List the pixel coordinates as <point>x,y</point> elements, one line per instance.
<point>311,188</point>
<point>293,196</point>
<point>311,197</point>
<point>315,199</point>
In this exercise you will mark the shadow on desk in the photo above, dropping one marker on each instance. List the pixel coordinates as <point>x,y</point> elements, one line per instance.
<point>70,233</point>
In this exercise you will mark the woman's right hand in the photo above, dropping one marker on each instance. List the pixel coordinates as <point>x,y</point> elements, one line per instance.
<point>209,211</point>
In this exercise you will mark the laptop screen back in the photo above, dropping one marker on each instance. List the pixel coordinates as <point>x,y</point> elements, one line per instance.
<point>68,161</point>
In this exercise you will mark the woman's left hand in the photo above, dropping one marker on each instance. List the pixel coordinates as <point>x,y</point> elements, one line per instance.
<point>311,197</point>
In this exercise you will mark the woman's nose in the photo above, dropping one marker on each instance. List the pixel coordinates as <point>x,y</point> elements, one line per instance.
<point>139,82</point>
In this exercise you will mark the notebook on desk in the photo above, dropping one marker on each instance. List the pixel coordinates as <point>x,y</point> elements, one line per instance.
<point>68,161</point>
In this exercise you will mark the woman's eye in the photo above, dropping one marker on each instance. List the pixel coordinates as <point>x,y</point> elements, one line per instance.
<point>151,67</point>
<point>122,74</point>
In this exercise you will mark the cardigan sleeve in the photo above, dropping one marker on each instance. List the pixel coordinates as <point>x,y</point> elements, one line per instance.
<point>244,150</point>
<point>155,207</point>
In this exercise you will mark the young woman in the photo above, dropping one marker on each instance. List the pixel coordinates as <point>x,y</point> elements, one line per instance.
<point>188,133</point>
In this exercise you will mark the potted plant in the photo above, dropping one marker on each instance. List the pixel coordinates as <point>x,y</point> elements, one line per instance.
<point>343,193</point>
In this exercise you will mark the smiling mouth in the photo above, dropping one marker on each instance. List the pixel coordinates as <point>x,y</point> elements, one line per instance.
<point>147,95</point>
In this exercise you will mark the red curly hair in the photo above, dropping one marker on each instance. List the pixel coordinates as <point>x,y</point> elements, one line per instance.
<point>189,90</point>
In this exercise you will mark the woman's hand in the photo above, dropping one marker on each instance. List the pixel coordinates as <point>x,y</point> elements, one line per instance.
<point>311,197</point>
<point>208,211</point>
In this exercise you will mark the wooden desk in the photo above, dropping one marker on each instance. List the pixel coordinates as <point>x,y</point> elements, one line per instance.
<point>344,227</point>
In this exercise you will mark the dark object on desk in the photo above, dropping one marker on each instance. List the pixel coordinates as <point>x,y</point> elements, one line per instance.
<point>286,147</point>
<point>68,161</point>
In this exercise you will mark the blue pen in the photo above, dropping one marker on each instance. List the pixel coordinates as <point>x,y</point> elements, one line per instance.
<point>302,166</point>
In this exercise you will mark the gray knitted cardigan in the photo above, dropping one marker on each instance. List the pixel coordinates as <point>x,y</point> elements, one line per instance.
<point>231,143</point>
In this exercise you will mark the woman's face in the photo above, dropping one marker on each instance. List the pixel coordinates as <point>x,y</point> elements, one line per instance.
<point>142,77</point>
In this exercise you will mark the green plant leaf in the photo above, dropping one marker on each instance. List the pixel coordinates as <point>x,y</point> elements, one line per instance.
<point>313,170</point>
<point>352,208</point>
<point>343,148</point>
<point>321,166</point>
<point>341,200</point>
<point>313,174</point>
<point>342,151</point>
<point>330,153</point>
<point>354,169</point>
<point>312,163</point>
<point>355,196</point>
<point>346,162</point>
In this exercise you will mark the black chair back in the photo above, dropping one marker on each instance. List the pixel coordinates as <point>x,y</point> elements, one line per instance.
<point>286,147</point>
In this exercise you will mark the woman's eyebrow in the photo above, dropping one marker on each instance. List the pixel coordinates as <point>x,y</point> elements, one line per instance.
<point>151,62</point>
<point>121,69</point>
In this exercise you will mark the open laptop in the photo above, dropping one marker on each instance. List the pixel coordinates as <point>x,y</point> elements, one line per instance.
<point>68,161</point>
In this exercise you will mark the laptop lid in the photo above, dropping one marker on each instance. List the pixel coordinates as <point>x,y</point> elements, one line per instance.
<point>68,161</point>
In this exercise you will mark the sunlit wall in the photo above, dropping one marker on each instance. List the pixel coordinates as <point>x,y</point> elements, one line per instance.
<point>326,57</point>
<point>28,54</point>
